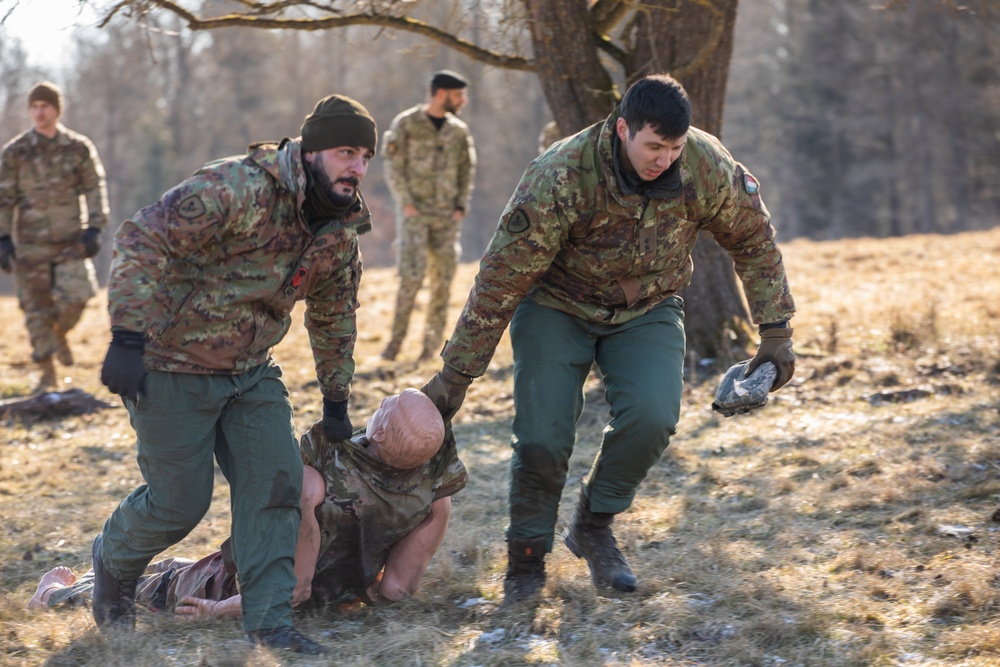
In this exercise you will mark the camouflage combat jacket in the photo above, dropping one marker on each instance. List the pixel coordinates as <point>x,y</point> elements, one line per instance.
<point>211,272</point>
<point>572,239</point>
<point>427,167</point>
<point>369,506</point>
<point>41,182</point>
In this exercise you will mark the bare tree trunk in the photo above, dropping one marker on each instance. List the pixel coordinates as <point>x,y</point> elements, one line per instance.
<point>576,85</point>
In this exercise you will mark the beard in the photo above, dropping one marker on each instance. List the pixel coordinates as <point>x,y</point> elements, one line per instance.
<point>451,107</point>
<point>323,182</point>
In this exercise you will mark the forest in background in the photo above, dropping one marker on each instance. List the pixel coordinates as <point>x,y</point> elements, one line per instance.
<point>859,121</point>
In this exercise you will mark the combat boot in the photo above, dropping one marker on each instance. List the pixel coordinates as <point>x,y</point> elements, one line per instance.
<point>114,599</point>
<point>589,536</point>
<point>525,569</point>
<point>63,354</point>
<point>47,381</point>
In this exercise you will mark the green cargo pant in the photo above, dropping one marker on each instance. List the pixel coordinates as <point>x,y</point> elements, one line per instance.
<point>642,363</point>
<point>245,423</point>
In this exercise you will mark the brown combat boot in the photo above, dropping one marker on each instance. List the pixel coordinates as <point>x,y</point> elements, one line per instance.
<point>590,537</point>
<point>525,569</point>
<point>47,381</point>
<point>63,354</point>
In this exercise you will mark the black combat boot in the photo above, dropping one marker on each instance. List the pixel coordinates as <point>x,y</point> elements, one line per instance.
<point>590,537</point>
<point>114,600</point>
<point>525,569</point>
<point>287,638</point>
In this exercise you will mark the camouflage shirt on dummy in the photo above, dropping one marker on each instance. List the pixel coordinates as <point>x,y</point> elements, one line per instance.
<point>212,271</point>
<point>571,238</point>
<point>41,183</point>
<point>369,506</point>
<point>427,167</point>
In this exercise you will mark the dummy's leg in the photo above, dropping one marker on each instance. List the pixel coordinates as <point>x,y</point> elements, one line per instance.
<point>410,556</point>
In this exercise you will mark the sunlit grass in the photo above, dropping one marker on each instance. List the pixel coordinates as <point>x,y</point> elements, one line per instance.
<point>849,522</point>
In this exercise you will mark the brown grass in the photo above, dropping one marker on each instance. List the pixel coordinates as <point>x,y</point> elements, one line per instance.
<point>824,530</point>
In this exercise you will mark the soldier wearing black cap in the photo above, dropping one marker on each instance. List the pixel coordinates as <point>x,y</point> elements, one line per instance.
<point>46,237</point>
<point>202,286</point>
<point>430,167</point>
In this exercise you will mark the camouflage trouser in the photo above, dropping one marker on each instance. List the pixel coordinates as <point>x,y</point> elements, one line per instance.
<point>52,292</point>
<point>642,364</point>
<point>163,584</point>
<point>425,243</point>
<point>245,423</point>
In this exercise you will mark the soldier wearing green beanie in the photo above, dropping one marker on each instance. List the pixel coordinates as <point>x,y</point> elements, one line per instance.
<point>202,287</point>
<point>48,234</point>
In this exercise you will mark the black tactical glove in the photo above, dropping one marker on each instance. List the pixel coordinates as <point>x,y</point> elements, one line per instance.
<point>447,391</point>
<point>6,253</point>
<point>776,347</point>
<point>336,423</point>
<point>91,240</point>
<point>124,372</point>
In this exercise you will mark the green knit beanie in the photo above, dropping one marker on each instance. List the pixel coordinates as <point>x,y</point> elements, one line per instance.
<point>46,92</point>
<point>338,120</point>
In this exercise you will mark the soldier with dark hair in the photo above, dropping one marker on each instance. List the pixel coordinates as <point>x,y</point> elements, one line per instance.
<point>46,237</point>
<point>202,286</point>
<point>586,265</point>
<point>430,164</point>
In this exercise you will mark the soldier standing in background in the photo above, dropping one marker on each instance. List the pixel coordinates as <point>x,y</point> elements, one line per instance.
<point>586,264</point>
<point>431,161</point>
<point>46,237</point>
<point>202,287</point>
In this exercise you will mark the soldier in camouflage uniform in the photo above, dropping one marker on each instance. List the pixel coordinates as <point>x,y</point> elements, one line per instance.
<point>375,509</point>
<point>585,265</point>
<point>430,165</point>
<point>46,237</point>
<point>202,286</point>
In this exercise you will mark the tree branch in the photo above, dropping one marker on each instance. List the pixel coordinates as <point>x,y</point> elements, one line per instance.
<point>605,15</point>
<point>260,20</point>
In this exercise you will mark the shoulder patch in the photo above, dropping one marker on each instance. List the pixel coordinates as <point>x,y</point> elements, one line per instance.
<point>750,184</point>
<point>191,207</point>
<point>518,222</point>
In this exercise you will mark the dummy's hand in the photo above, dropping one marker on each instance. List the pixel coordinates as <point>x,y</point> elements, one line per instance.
<point>6,253</point>
<point>336,423</point>
<point>91,240</point>
<point>776,347</point>
<point>192,607</point>
<point>124,372</point>
<point>447,390</point>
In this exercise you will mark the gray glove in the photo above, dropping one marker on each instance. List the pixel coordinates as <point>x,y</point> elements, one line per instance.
<point>447,391</point>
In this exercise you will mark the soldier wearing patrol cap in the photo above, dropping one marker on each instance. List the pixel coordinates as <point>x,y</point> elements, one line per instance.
<point>430,164</point>
<point>46,237</point>
<point>586,265</point>
<point>202,286</point>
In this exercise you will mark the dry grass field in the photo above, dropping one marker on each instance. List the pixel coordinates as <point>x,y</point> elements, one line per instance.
<point>849,522</point>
